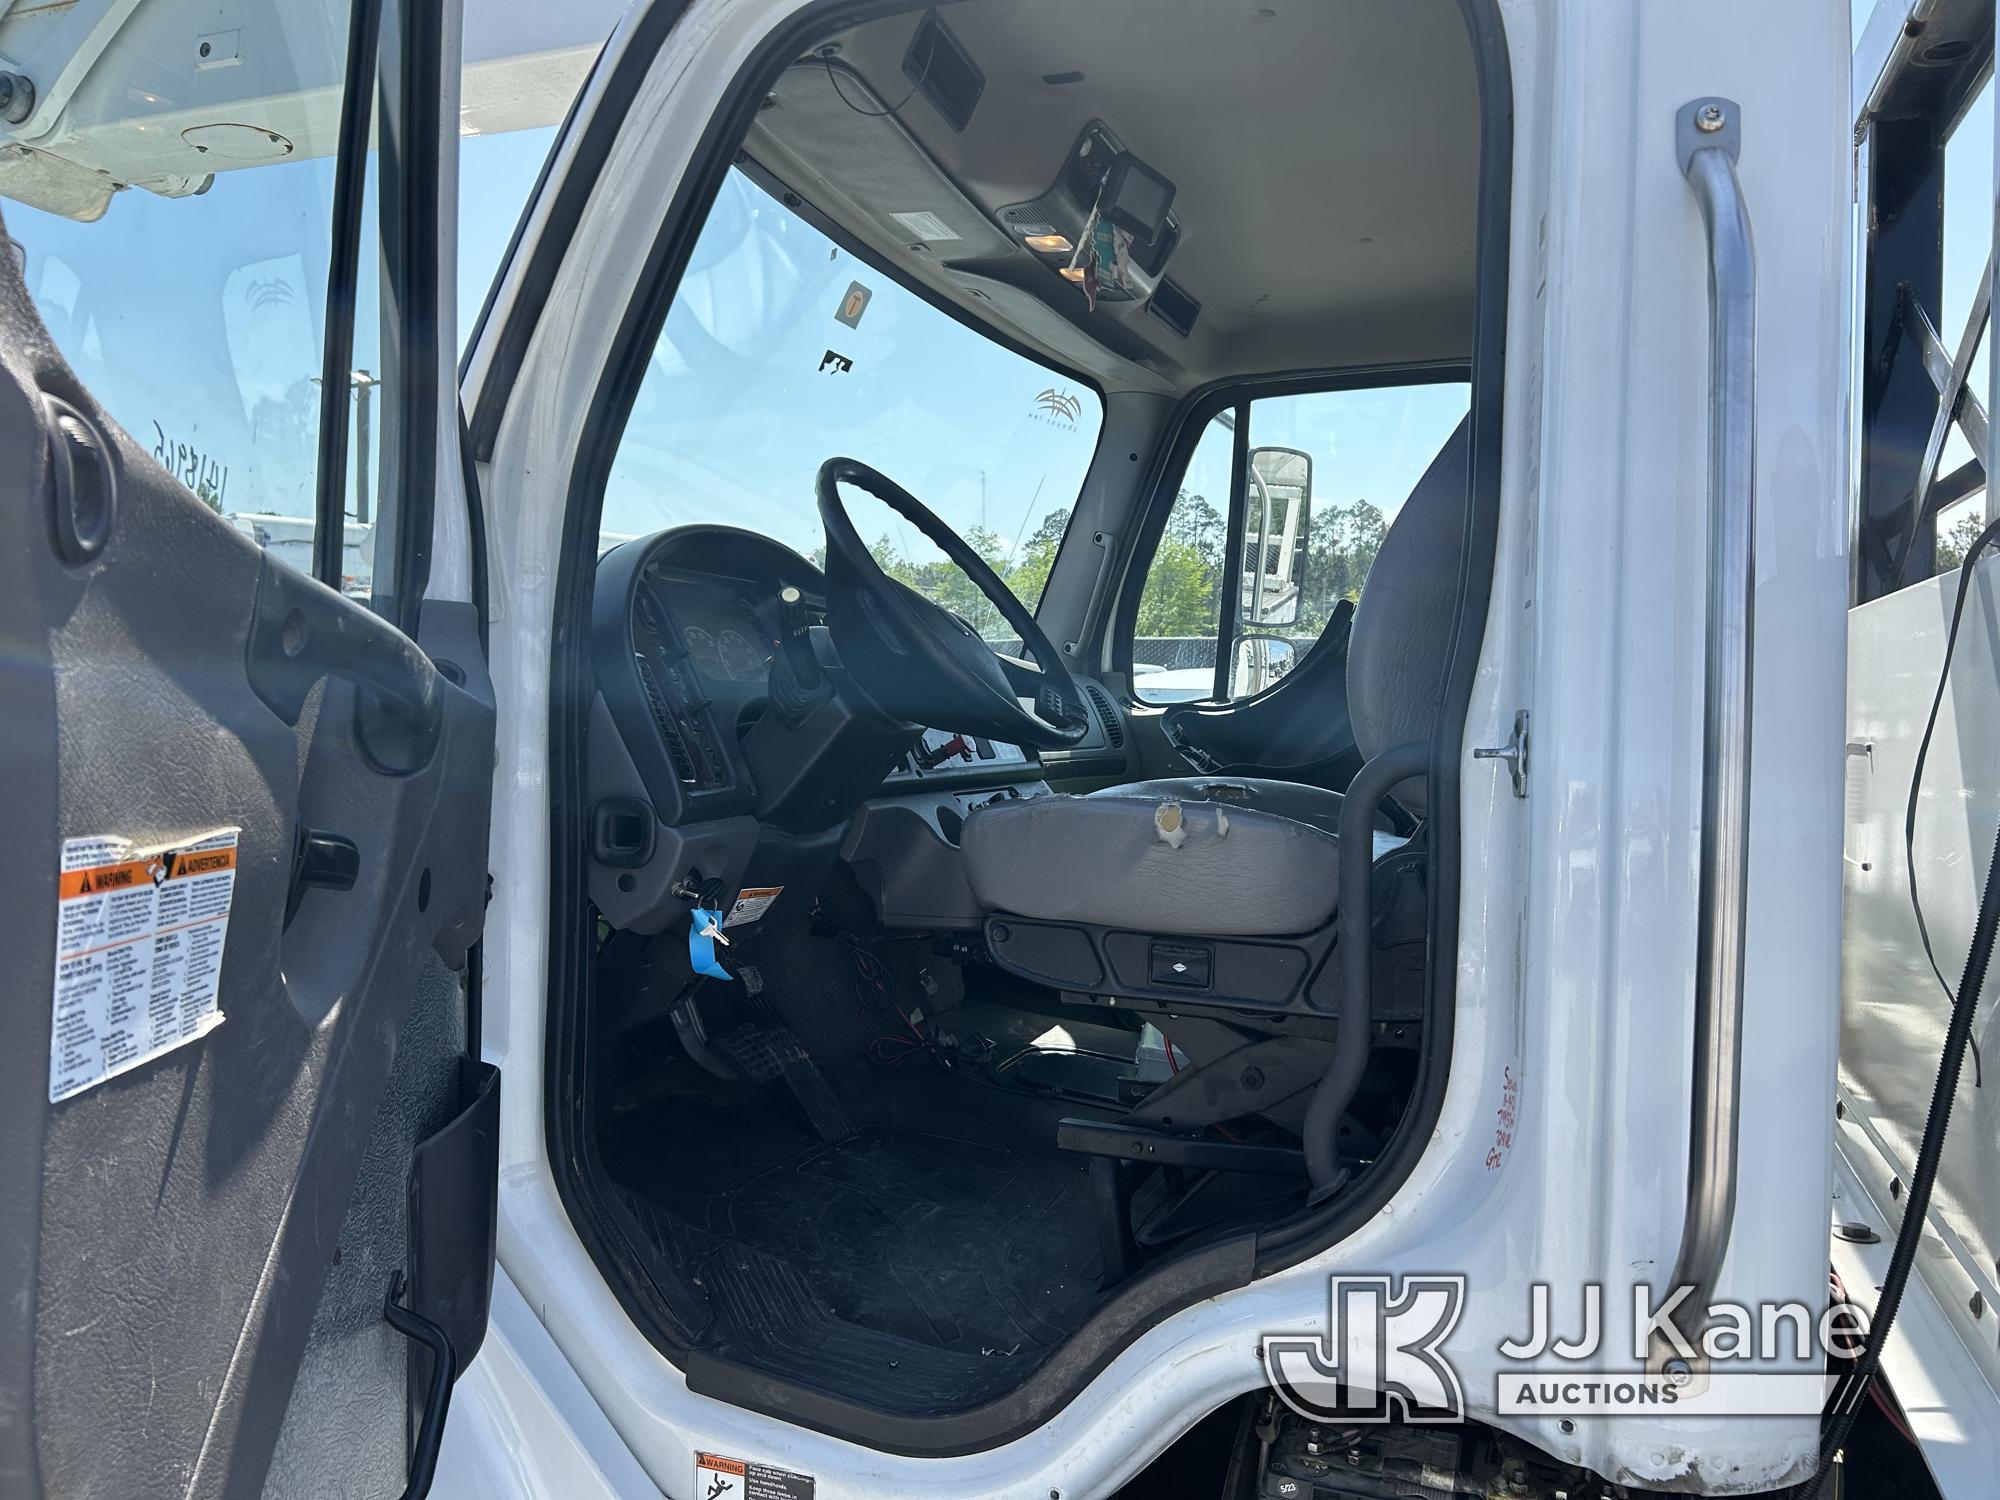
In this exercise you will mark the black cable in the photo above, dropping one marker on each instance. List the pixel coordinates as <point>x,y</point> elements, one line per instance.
<point>1985,538</point>
<point>1958,1033</point>
<point>888,111</point>
<point>870,114</point>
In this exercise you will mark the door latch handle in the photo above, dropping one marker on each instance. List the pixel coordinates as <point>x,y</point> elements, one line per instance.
<point>302,631</point>
<point>1514,752</point>
<point>323,859</point>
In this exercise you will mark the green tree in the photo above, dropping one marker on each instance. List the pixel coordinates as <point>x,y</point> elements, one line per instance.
<point>1953,546</point>
<point>1179,597</point>
<point>1182,593</point>
<point>1339,553</point>
<point>1028,573</point>
<point>944,582</point>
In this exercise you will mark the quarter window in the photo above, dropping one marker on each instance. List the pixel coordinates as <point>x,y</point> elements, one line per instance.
<point>1274,530</point>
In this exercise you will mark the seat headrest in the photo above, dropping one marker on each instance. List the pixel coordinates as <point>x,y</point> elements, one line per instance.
<point>1400,645</point>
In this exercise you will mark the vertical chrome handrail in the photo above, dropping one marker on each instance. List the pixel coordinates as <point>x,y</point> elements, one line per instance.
<point>1707,134</point>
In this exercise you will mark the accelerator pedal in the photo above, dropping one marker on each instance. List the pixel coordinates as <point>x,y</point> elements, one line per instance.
<point>770,1052</point>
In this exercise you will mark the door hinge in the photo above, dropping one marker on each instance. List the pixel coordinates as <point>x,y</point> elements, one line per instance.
<point>1514,752</point>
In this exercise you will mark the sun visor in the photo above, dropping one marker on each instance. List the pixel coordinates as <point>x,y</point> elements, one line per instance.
<point>825,118</point>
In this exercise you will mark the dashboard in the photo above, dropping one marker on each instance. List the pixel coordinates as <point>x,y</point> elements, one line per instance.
<point>728,744</point>
<point>686,629</point>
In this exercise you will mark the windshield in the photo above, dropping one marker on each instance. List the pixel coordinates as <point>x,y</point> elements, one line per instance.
<point>782,350</point>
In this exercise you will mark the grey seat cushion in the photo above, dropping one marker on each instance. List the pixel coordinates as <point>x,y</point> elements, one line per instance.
<point>1287,799</point>
<point>1207,855</point>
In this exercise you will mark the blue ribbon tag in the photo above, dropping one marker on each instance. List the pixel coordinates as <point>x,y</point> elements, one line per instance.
<point>701,947</point>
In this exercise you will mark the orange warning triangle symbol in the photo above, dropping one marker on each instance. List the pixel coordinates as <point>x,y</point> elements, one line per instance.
<point>85,888</point>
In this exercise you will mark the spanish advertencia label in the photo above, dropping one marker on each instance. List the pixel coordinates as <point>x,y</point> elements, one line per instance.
<point>139,936</point>
<point>751,903</point>
<point>719,1478</point>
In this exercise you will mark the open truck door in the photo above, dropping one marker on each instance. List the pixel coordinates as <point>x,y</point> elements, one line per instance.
<point>248,1149</point>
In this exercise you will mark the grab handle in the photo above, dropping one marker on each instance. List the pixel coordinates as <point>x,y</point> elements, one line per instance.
<point>1707,133</point>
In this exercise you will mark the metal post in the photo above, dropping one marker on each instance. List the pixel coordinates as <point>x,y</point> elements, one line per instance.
<point>364,385</point>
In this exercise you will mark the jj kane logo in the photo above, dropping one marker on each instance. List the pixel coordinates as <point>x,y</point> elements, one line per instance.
<point>1058,409</point>
<point>1381,1355</point>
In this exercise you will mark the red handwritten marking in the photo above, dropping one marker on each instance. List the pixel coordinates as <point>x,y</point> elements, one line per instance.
<point>1506,1114</point>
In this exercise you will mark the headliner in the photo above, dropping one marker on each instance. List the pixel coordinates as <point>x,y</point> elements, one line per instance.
<point>1325,154</point>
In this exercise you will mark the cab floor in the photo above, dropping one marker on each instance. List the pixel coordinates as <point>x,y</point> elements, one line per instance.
<point>943,1247</point>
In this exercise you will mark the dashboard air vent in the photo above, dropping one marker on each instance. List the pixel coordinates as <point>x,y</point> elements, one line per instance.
<point>1107,711</point>
<point>664,719</point>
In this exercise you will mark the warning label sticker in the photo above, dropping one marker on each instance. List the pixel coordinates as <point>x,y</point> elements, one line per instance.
<point>139,936</point>
<point>719,1478</point>
<point>751,903</point>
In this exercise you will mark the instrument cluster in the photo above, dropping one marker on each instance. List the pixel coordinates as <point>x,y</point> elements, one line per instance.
<point>726,639</point>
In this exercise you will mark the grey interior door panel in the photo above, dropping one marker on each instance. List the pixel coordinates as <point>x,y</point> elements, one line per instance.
<point>166,1233</point>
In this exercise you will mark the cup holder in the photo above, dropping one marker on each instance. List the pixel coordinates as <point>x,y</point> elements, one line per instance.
<point>950,823</point>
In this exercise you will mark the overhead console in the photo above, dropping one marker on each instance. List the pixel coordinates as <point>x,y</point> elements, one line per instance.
<point>845,143</point>
<point>1106,225</point>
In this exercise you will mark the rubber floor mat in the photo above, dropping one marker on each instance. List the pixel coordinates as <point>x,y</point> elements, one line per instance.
<point>947,1242</point>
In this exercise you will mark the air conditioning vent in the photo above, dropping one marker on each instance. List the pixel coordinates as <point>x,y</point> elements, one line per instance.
<point>663,720</point>
<point>1107,712</point>
<point>683,763</point>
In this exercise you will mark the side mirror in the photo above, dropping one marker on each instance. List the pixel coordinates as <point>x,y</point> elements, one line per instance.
<point>1277,531</point>
<point>1260,661</point>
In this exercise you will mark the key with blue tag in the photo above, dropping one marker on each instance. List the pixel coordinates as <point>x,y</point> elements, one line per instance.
<point>704,932</point>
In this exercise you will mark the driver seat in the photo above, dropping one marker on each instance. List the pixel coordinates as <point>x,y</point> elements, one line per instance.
<point>1237,856</point>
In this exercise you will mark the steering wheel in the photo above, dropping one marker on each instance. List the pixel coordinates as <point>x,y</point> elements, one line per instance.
<point>917,659</point>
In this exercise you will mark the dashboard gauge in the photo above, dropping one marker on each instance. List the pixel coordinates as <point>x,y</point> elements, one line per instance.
<point>703,651</point>
<point>740,658</point>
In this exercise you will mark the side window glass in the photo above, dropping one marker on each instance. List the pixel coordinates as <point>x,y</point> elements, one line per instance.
<point>181,267</point>
<point>1179,623</point>
<point>1326,472</point>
